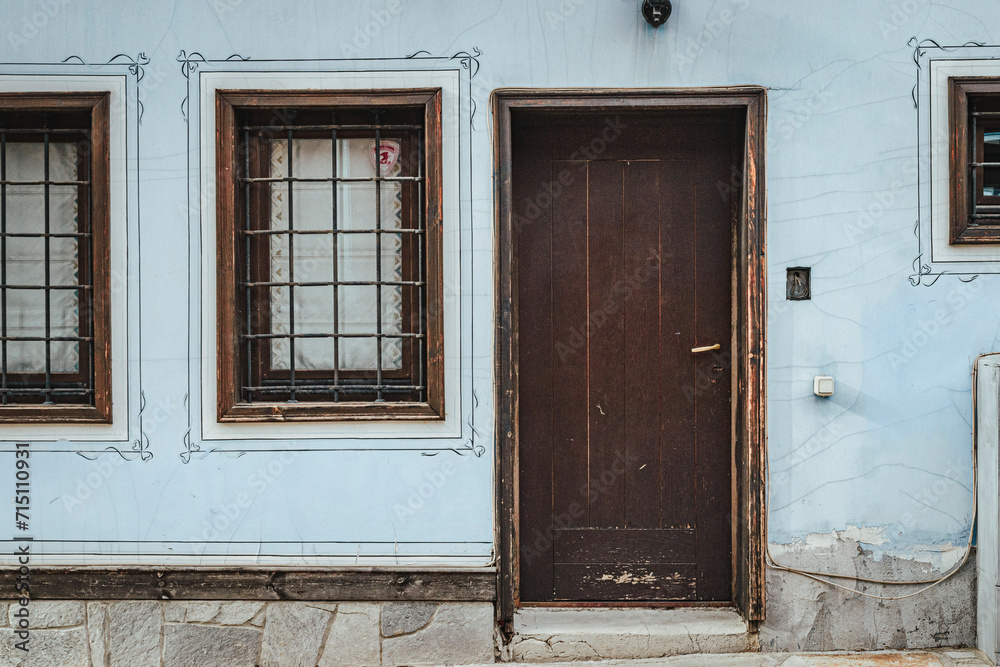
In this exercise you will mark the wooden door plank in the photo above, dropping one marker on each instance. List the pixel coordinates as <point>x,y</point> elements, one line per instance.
<point>609,581</point>
<point>606,343</point>
<point>678,386</point>
<point>713,467</point>
<point>535,384</point>
<point>569,342</point>
<point>632,546</point>
<point>641,292</point>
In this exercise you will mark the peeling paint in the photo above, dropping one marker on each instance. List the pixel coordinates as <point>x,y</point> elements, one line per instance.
<point>629,578</point>
<point>873,543</point>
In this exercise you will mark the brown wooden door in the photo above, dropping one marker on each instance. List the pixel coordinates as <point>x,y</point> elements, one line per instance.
<point>624,226</point>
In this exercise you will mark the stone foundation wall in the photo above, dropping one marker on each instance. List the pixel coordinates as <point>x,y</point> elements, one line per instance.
<point>238,634</point>
<point>805,615</point>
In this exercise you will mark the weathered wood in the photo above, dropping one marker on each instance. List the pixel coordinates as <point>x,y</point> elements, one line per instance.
<point>604,581</point>
<point>361,584</point>
<point>749,320</point>
<point>229,258</point>
<point>963,149</point>
<point>670,545</point>
<point>505,242</point>
<point>749,389</point>
<point>95,264</point>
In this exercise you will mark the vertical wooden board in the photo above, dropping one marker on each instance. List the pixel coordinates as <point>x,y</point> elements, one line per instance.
<point>569,345</point>
<point>642,344</point>
<point>535,374</point>
<point>678,383</point>
<point>713,405</point>
<point>606,343</point>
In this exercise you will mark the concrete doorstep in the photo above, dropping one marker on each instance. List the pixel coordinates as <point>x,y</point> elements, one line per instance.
<point>919,658</point>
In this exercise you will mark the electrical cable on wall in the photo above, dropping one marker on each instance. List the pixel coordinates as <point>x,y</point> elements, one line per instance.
<point>824,577</point>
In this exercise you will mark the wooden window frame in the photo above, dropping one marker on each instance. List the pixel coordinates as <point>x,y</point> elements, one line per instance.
<point>230,406</point>
<point>963,150</point>
<point>98,106</point>
<point>749,324</point>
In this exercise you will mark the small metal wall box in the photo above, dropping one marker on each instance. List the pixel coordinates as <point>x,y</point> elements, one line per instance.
<point>823,385</point>
<point>656,12</point>
<point>798,284</point>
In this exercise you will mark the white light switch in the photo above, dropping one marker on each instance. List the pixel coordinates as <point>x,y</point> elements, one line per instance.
<point>823,385</point>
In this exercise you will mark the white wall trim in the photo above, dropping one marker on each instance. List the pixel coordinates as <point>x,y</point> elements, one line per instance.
<point>448,81</point>
<point>118,135</point>
<point>940,142</point>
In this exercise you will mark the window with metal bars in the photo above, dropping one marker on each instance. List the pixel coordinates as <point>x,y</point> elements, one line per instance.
<point>329,262</point>
<point>55,352</point>
<point>975,160</point>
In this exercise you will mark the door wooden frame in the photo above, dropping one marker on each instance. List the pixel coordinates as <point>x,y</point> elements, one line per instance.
<point>749,319</point>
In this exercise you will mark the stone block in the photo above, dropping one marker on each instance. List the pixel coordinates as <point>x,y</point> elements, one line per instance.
<point>354,637</point>
<point>135,629</point>
<point>48,648</point>
<point>402,618</point>
<point>459,633</point>
<point>293,635</point>
<point>173,612</point>
<point>51,613</point>
<point>210,646</point>
<point>97,633</point>
<point>200,612</point>
<point>237,613</point>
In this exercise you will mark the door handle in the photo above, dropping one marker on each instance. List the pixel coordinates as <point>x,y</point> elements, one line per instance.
<point>708,348</point>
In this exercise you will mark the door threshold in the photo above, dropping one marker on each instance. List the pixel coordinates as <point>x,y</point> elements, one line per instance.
<point>615,633</point>
<point>625,604</point>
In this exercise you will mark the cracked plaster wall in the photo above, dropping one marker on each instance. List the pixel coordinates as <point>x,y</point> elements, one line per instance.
<point>890,452</point>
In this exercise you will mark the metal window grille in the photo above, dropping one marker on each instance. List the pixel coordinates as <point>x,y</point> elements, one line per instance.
<point>267,379</point>
<point>984,120</point>
<point>40,380</point>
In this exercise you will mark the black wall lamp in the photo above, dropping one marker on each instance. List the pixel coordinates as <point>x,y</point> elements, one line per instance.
<point>656,11</point>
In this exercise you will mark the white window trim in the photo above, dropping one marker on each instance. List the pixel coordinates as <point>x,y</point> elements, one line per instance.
<point>117,140</point>
<point>448,81</point>
<point>940,140</point>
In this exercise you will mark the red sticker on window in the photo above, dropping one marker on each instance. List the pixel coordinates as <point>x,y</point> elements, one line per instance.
<point>388,155</point>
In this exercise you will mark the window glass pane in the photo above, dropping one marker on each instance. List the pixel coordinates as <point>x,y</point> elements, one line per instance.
<point>26,257</point>
<point>991,153</point>
<point>312,208</point>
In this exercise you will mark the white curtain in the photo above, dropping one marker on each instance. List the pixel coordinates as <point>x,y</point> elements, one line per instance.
<point>356,257</point>
<point>25,314</point>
